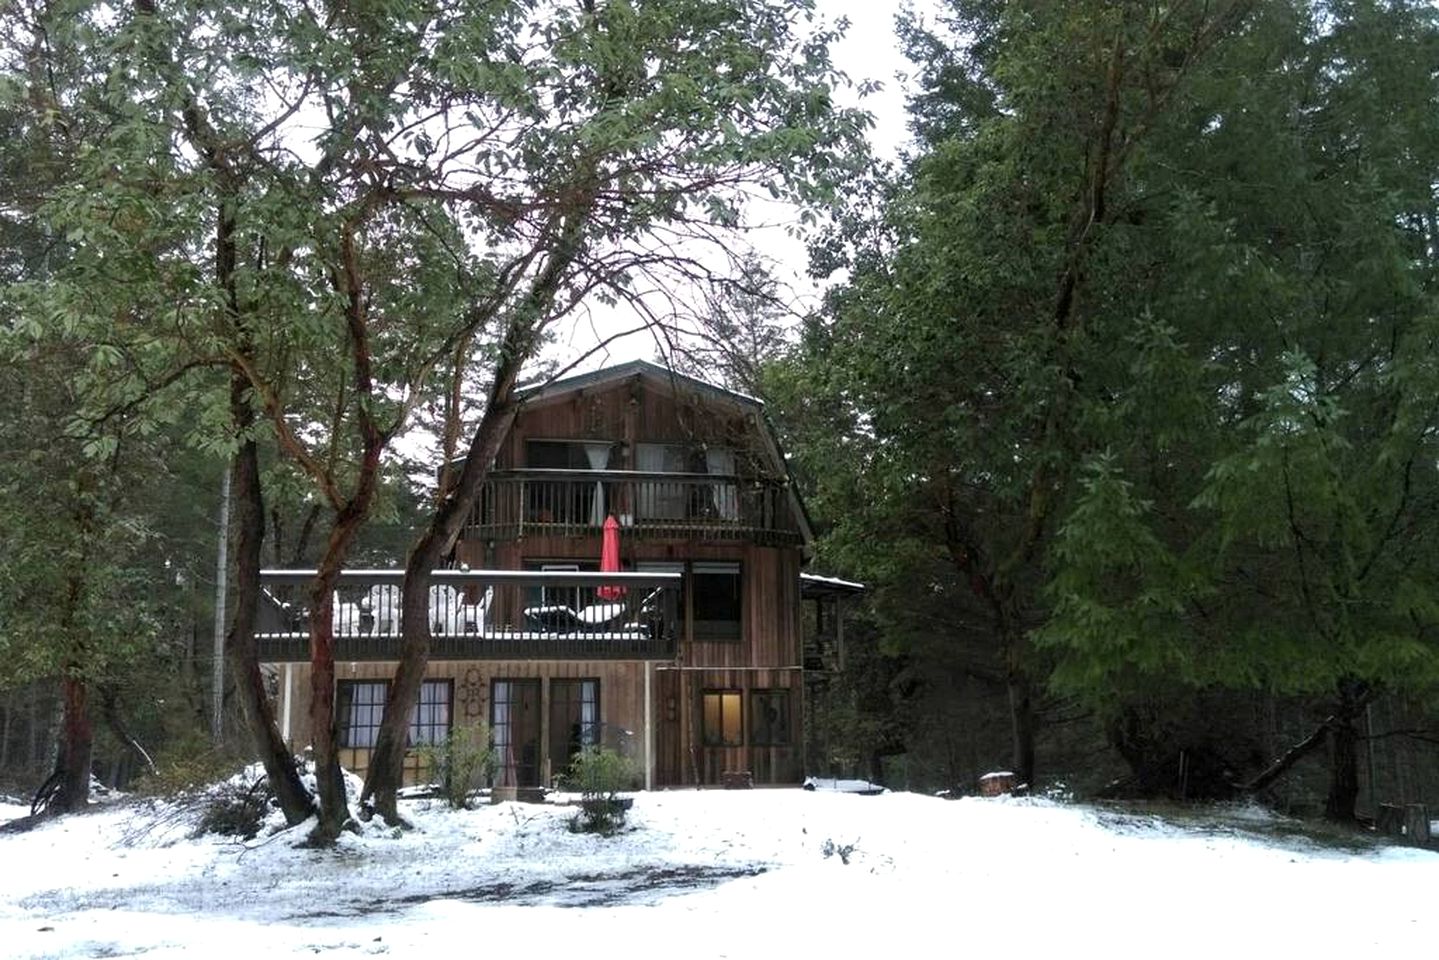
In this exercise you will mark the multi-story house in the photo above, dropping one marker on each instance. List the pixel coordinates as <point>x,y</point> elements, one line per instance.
<point>691,659</point>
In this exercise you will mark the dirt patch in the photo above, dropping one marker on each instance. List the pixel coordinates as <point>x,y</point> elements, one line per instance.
<point>585,890</point>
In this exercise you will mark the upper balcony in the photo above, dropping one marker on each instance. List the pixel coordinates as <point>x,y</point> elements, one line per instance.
<point>481,615</point>
<point>689,506</point>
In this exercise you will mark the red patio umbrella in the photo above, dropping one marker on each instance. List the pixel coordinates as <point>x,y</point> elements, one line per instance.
<point>610,559</point>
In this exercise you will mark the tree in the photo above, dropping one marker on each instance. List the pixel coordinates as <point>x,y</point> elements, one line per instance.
<point>1263,513</point>
<point>981,291</point>
<point>741,328</point>
<point>669,109</point>
<point>479,170</point>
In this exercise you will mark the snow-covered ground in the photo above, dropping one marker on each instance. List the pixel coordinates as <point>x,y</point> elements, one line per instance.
<point>717,874</point>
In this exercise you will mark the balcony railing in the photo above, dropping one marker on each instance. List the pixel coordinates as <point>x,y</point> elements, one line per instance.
<point>481,615</point>
<point>574,503</point>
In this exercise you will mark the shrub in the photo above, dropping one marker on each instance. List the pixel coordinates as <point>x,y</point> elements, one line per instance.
<point>599,774</point>
<point>236,811</point>
<point>460,763</point>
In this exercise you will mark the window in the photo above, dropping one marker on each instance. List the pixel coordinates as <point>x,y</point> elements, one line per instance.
<point>686,498</point>
<point>718,607</point>
<point>769,718</point>
<point>430,720</point>
<point>361,706</point>
<point>574,720</point>
<point>722,726</point>
<point>568,454</point>
<point>567,500</point>
<point>662,499</point>
<point>546,605</point>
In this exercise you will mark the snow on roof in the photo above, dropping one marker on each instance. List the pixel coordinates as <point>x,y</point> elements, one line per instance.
<point>814,583</point>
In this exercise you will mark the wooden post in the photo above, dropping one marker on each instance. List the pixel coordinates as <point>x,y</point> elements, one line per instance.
<point>1416,825</point>
<point>649,727</point>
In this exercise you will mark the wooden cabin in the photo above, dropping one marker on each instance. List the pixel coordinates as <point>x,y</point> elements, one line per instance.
<point>694,665</point>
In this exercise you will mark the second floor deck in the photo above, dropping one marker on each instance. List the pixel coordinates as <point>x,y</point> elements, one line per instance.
<point>480,615</point>
<point>689,506</point>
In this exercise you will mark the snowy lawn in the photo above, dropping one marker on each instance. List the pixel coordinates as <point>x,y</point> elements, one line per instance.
<point>718,874</point>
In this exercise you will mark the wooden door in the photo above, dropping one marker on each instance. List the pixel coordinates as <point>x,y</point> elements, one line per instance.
<point>515,730</point>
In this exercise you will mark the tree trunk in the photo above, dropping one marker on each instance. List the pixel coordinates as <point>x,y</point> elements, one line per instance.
<point>241,651</point>
<point>1354,697</point>
<point>1343,772</point>
<point>324,732</point>
<point>1022,724</point>
<point>76,745</point>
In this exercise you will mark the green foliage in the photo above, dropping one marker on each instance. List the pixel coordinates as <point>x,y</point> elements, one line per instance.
<point>185,763</point>
<point>598,774</point>
<point>1131,379</point>
<point>460,764</point>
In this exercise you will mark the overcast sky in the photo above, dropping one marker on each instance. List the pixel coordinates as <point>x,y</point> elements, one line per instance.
<point>869,51</point>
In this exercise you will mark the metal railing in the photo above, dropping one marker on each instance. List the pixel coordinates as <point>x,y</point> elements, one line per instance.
<point>480,615</point>
<point>575,503</point>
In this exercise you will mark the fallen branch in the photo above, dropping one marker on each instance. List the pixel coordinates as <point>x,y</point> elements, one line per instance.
<point>1291,756</point>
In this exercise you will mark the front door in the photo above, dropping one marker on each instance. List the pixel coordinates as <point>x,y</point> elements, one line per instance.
<point>515,730</point>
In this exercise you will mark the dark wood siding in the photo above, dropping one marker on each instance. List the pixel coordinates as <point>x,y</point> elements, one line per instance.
<point>683,759</point>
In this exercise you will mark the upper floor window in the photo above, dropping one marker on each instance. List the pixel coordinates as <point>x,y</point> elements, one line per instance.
<point>569,454</point>
<point>717,601</point>
<point>681,499</point>
<point>563,500</point>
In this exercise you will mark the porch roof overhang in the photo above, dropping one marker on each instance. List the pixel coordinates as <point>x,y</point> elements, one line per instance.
<point>813,586</point>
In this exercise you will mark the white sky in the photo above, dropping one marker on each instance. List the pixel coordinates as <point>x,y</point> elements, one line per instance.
<point>869,51</point>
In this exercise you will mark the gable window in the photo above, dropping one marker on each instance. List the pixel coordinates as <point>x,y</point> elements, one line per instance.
<point>718,604</point>
<point>722,724</point>
<point>360,707</point>
<point>769,718</point>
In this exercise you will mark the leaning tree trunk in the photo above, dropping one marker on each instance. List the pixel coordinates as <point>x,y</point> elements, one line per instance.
<point>241,651</point>
<point>385,775</point>
<point>324,726</point>
<point>386,771</point>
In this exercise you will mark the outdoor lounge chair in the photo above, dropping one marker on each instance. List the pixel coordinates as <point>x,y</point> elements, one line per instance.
<point>450,616</point>
<point>591,618</point>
